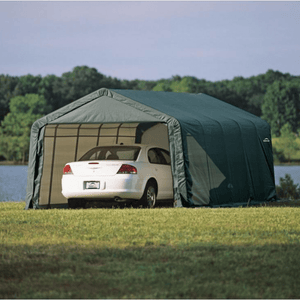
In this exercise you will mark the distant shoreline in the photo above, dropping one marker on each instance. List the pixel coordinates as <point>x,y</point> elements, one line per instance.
<point>14,163</point>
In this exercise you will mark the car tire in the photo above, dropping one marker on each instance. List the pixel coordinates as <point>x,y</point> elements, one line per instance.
<point>149,197</point>
<point>76,203</point>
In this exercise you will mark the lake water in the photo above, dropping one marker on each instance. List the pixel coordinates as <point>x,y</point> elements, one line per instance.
<point>13,180</point>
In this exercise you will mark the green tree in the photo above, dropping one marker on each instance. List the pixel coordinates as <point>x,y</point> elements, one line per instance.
<point>286,143</point>
<point>180,86</point>
<point>128,84</point>
<point>271,76</point>
<point>16,126</point>
<point>281,105</point>
<point>7,86</point>
<point>254,103</point>
<point>46,88</point>
<point>142,85</point>
<point>78,83</point>
<point>247,94</point>
<point>59,91</point>
<point>27,84</point>
<point>187,84</point>
<point>222,91</point>
<point>163,85</point>
<point>111,83</point>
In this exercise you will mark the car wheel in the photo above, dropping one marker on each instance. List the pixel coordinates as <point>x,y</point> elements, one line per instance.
<point>149,197</point>
<point>76,203</point>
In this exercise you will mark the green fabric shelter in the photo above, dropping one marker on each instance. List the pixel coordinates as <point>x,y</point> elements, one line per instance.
<point>221,155</point>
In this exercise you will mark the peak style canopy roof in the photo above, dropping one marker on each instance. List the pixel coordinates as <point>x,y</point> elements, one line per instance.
<point>220,155</point>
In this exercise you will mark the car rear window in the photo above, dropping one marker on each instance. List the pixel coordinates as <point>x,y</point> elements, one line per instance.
<point>112,153</point>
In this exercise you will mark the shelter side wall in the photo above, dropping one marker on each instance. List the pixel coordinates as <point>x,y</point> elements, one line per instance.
<point>64,150</point>
<point>47,168</point>
<point>229,163</point>
<point>205,175</point>
<point>217,168</point>
<point>59,146</point>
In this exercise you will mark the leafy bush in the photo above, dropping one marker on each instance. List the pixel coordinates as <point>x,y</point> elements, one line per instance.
<point>287,189</point>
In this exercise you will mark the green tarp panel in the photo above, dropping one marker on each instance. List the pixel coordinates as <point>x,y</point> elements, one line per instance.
<point>221,155</point>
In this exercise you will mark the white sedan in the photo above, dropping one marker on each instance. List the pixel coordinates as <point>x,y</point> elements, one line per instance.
<point>120,173</point>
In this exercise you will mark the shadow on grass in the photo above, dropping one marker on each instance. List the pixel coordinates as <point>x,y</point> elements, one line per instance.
<point>169,204</point>
<point>280,203</point>
<point>163,271</point>
<point>113,205</point>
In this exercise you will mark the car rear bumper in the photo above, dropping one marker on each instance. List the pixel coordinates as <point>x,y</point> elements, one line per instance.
<point>121,186</point>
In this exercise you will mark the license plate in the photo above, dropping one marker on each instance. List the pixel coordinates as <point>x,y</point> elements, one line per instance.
<point>92,185</point>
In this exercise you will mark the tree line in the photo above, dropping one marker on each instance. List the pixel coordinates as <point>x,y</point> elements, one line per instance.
<point>273,96</point>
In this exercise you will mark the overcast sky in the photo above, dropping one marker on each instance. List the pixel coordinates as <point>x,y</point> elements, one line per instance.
<point>150,40</point>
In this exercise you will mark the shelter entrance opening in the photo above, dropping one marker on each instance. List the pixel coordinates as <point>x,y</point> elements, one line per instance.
<point>65,143</point>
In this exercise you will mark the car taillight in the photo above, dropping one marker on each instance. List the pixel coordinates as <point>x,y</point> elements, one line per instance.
<point>67,169</point>
<point>127,169</point>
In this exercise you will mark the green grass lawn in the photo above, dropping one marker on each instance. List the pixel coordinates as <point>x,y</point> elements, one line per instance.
<point>149,253</point>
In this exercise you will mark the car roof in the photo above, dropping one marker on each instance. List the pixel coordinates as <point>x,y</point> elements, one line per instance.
<point>132,145</point>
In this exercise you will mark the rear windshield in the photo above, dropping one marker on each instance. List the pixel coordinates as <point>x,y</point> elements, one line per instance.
<point>112,153</point>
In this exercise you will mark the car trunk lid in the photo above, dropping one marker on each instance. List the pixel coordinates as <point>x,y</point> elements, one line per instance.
<point>87,168</point>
